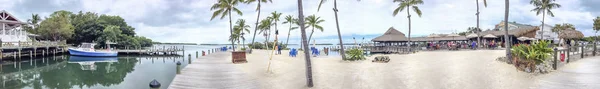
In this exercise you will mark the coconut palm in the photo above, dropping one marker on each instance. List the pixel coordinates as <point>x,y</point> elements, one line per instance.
<point>596,28</point>
<point>242,27</point>
<point>507,42</point>
<point>258,16</point>
<point>34,23</point>
<point>543,7</point>
<point>290,20</point>
<point>408,4</point>
<point>309,82</point>
<point>225,7</point>
<point>335,10</point>
<point>264,27</point>
<point>485,5</point>
<point>314,21</point>
<point>275,17</point>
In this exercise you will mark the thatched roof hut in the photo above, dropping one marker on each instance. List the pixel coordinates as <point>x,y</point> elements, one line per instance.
<point>570,34</point>
<point>527,31</point>
<point>391,35</point>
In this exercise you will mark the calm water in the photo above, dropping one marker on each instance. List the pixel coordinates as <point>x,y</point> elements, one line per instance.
<point>71,72</point>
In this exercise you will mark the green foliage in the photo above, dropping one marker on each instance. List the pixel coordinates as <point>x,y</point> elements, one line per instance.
<point>597,24</point>
<point>559,27</point>
<point>57,27</point>
<point>258,45</point>
<point>86,27</point>
<point>406,4</point>
<point>538,51</point>
<point>354,54</point>
<point>544,6</point>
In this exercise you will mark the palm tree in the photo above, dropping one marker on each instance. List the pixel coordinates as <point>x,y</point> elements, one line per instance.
<point>265,26</point>
<point>408,4</point>
<point>544,6</point>
<point>335,10</point>
<point>485,5</point>
<point>507,42</point>
<point>596,28</point>
<point>258,16</point>
<point>289,20</point>
<point>225,7</point>
<point>314,21</point>
<point>275,17</point>
<point>241,28</point>
<point>309,82</point>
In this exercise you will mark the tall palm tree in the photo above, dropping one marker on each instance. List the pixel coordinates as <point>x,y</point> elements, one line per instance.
<point>314,21</point>
<point>596,28</point>
<point>408,4</point>
<point>335,10</point>
<point>242,27</point>
<point>507,42</point>
<point>543,7</point>
<point>485,5</point>
<point>275,17</point>
<point>265,26</point>
<point>225,7</point>
<point>258,16</point>
<point>309,82</point>
<point>289,20</point>
<point>34,22</point>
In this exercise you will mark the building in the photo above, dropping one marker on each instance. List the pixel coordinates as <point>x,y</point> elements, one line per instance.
<point>547,33</point>
<point>11,28</point>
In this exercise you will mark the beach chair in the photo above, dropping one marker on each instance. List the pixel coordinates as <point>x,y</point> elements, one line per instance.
<point>293,52</point>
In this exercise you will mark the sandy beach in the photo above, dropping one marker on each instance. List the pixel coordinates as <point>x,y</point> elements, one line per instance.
<point>470,69</point>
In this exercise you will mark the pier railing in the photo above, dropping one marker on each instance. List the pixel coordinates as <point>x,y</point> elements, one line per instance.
<point>562,56</point>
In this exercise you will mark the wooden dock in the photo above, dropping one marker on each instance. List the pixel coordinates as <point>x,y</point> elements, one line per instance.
<point>214,71</point>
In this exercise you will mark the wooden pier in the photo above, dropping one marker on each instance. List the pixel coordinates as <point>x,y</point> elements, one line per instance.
<point>165,50</point>
<point>18,50</point>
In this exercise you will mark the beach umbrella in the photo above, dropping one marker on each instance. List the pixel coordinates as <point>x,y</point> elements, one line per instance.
<point>472,35</point>
<point>523,38</point>
<point>453,35</point>
<point>433,36</point>
<point>489,36</point>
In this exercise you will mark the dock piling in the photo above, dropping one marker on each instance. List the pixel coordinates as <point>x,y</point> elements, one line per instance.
<point>178,67</point>
<point>189,58</point>
<point>196,54</point>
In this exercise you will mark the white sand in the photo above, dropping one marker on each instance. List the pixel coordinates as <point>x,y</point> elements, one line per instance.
<point>475,69</point>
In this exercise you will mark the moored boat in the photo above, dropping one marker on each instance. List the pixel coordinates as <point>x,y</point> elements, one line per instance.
<point>87,49</point>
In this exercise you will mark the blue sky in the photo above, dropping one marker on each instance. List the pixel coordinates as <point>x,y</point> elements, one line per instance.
<point>189,20</point>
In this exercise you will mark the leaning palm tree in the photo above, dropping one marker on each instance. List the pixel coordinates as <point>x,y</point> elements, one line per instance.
<point>408,4</point>
<point>309,82</point>
<point>289,20</point>
<point>485,5</point>
<point>507,42</point>
<point>258,16</point>
<point>335,10</point>
<point>225,7</point>
<point>314,21</point>
<point>242,27</point>
<point>543,7</point>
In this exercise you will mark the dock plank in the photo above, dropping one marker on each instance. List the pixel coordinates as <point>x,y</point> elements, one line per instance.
<point>214,71</point>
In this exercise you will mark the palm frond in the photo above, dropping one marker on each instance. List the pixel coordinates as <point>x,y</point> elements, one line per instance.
<point>237,11</point>
<point>216,13</point>
<point>320,4</point>
<point>417,10</point>
<point>485,3</point>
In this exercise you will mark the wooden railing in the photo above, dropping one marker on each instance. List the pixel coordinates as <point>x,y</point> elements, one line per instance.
<point>572,53</point>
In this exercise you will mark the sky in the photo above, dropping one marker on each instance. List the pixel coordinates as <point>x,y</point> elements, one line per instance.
<point>189,21</point>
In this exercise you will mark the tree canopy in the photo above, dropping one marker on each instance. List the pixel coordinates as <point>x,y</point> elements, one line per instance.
<point>86,27</point>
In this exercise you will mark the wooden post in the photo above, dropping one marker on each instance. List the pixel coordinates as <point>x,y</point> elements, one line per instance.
<point>178,67</point>
<point>555,58</point>
<point>30,55</point>
<point>196,54</point>
<point>15,55</point>
<point>43,53</point>
<point>35,51</point>
<point>582,51</point>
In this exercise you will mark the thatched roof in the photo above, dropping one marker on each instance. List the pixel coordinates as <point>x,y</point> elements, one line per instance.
<point>391,35</point>
<point>515,32</point>
<point>570,34</point>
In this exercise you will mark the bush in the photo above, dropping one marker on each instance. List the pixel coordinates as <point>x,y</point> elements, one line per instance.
<point>258,45</point>
<point>536,53</point>
<point>354,54</point>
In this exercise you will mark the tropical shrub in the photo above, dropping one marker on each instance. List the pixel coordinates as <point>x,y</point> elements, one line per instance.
<point>259,45</point>
<point>531,55</point>
<point>354,54</point>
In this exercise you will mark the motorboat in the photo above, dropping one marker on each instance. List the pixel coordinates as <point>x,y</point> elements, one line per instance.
<point>87,49</point>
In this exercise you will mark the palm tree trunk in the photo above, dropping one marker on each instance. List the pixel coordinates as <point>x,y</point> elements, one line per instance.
<point>543,17</point>
<point>231,31</point>
<point>288,37</point>
<point>409,29</point>
<point>311,33</point>
<point>476,29</point>
<point>309,82</point>
<point>507,40</point>
<point>255,25</point>
<point>335,10</point>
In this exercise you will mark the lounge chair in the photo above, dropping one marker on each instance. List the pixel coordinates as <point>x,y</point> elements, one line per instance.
<point>293,52</point>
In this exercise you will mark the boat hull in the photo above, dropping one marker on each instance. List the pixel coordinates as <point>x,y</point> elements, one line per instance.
<point>76,52</point>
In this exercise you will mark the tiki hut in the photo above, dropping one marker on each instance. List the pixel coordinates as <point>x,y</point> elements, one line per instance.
<point>570,34</point>
<point>391,35</point>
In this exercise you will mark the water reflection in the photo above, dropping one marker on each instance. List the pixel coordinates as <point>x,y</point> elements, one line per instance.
<point>65,72</point>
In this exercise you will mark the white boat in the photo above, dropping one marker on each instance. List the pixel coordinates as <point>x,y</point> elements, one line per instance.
<point>87,49</point>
